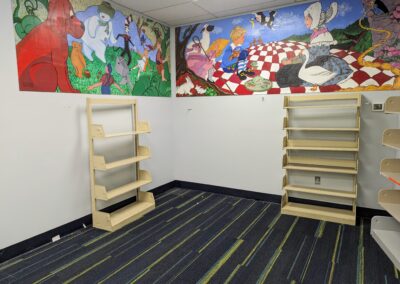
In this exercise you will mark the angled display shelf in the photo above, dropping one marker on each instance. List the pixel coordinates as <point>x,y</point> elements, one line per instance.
<point>392,105</point>
<point>391,138</point>
<point>300,163</point>
<point>320,165</point>
<point>390,168</point>
<point>144,200</point>
<point>386,230</point>
<point>97,131</point>
<point>389,199</point>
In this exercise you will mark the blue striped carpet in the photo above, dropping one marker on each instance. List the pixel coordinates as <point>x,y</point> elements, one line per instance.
<point>199,237</point>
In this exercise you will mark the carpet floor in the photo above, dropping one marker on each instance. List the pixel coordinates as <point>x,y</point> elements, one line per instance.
<point>200,237</point>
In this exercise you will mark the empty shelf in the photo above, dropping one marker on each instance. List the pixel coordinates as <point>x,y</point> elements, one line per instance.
<point>321,191</point>
<point>97,131</point>
<point>100,163</point>
<point>323,106</point>
<point>313,99</point>
<point>320,169</point>
<point>320,145</point>
<point>390,168</point>
<point>111,101</point>
<point>319,213</point>
<point>386,232</point>
<point>339,163</point>
<point>392,105</point>
<point>389,199</point>
<point>117,219</point>
<point>391,138</point>
<point>322,129</point>
<point>103,194</point>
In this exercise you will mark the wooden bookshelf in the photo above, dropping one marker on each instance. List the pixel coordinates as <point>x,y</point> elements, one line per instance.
<point>386,230</point>
<point>345,164</point>
<point>144,200</point>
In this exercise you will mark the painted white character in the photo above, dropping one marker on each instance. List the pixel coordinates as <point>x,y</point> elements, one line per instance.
<point>98,30</point>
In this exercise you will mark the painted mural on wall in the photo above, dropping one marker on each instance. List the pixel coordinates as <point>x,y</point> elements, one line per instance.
<point>326,46</point>
<point>90,46</point>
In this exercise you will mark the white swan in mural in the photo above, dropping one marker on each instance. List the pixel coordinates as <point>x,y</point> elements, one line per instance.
<point>315,75</point>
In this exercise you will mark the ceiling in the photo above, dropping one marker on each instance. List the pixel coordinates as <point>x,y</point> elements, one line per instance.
<point>181,12</point>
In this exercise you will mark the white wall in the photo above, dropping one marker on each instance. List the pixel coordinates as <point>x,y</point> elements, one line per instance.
<point>44,168</point>
<point>237,142</point>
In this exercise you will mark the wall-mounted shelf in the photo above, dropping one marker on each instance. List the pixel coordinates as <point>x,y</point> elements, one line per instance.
<point>391,138</point>
<point>329,214</point>
<point>102,193</point>
<point>392,105</point>
<point>389,199</point>
<point>329,101</point>
<point>320,165</point>
<point>117,219</point>
<point>144,200</point>
<point>97,131</point>
<point>343,162</point>
<point>390,168</point>
<point>100,163</point>
<point>386,232</point>
<point>319,191</point>
<point>320,145</point>
<point>319,129</point>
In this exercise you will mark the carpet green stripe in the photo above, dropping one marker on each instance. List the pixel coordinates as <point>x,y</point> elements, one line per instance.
<point>214,269</point>
<point>270,265</point>
<point>333,259</point>
<point>87,270</point>
<point>360,256</point>
<point>225,228</point>
<point>252,224</point>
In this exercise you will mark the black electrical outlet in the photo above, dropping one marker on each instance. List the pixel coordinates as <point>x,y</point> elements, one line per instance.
<point>317,180</point>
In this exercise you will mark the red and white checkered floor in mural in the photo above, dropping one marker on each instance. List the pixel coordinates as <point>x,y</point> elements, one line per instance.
<point>269,56</point>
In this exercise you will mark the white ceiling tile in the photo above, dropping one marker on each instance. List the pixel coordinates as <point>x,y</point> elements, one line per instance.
<point>251,8</point>
<point>219,6</point>
<point>191,20</point>
<point>174,13</point>
<point>148,5</point>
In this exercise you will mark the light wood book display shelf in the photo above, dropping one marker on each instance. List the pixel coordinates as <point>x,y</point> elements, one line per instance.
<point>144,200</point>
<point>303,162</point>
<point>386,230</point>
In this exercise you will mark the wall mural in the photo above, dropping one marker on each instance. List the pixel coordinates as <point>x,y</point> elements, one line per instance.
<point>323,46</point>
<point>90,46</point>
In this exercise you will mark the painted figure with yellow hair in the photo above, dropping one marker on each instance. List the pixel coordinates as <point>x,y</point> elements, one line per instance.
<point>235,55</point>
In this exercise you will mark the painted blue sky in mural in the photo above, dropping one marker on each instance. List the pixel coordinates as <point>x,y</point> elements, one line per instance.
<point>288,21</point>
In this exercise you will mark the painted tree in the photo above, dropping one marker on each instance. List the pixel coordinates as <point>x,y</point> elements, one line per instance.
<point>182,38</point>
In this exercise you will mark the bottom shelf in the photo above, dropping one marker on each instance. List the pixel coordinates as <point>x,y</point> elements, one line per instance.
<point>386,232</point>
<point>329,214</point>
<point>117,219</point>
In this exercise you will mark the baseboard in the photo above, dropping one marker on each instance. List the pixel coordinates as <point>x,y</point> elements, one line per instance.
<point>46,237</point>
<point>229,191</point>
<point>274,198</point>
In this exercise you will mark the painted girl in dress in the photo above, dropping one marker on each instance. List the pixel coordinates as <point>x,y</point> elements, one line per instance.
<point>318,66</point>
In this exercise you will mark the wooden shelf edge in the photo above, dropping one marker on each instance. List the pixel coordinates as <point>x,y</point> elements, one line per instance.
<point>392,105</point>
<point>97,131</point>
<point>319,213</point>
<point>322,129</point>
<point>389,199</point>
<point>386,232</point>
<point>100,163</point>
<point>102,193</point>
<point>117,219</point>
<point>321,191</point>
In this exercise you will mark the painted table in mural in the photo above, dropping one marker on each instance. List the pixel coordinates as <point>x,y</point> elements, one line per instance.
<point>269,59</point>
